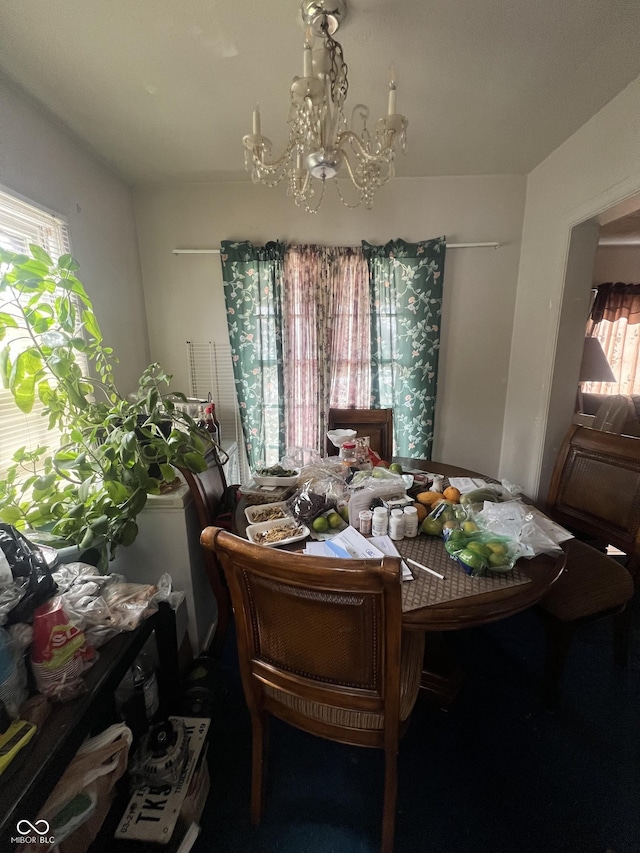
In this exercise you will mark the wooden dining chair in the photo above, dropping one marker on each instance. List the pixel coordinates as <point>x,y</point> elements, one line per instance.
<point>214,502</point>
<point>376,423</point>
<point>320,646</point>
<point>595,493</point>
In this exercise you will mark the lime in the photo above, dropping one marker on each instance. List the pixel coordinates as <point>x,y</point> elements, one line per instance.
<point>496,560</point>
<point>497,547</point>
<point>452,547</point>
<point>395,468</point>
<point>471,559</point>
<point>431,526</point>
<point>479,548</point>
<point>320,524</point>
<point>344,512</point>
<point>335,520</point>
<point>469,526</point>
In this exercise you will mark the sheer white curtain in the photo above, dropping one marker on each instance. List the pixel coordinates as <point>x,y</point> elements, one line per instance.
<point>615,321</point>
<point>326,339</point>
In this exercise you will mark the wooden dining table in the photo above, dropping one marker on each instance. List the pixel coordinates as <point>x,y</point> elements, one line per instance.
<point>436,605</point>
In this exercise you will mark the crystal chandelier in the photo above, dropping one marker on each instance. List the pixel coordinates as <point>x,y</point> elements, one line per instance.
<point>321,143</point>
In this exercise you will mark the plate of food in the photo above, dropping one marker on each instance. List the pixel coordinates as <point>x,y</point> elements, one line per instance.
<point>277,532</point>
<point>267,512</point>
<point>275,475</point>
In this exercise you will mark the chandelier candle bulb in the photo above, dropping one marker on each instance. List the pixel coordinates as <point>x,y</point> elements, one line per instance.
<point>307,61</point>
<point>256,120</point>
<point>392,91</point>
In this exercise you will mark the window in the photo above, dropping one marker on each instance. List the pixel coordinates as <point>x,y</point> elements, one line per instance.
<point>615,321</point>
<point>20,225</point>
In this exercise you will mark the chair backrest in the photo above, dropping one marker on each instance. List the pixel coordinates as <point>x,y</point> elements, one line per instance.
<point>376,423</point>
<point>207,488</point>
<point>207,491</point>
<point>595,488</point>
<point>318,629</point>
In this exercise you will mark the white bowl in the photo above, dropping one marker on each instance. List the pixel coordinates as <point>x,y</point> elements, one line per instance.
<point>337,437</point>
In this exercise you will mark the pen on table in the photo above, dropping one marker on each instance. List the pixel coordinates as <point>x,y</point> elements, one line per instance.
<point>426,568</point>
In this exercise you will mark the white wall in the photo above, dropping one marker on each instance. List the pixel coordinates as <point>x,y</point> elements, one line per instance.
<point>43,163</point>
<point>185,298</point>
<point>596,168</point>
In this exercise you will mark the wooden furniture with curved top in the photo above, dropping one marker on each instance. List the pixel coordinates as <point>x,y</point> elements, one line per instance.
<point>376,423</point>
<point>209,489</point>
<point>321,647</point>
<point>594,492</point>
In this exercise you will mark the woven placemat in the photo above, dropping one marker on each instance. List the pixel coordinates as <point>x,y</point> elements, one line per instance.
<point>426,589</point>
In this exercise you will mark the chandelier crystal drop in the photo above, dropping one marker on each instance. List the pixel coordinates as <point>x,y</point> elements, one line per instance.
<point>322,145</point>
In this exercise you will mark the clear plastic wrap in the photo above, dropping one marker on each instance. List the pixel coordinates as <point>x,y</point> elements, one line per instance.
<point>321,487</point>
<point>104,605</point>
<point>536,533</point>
<point>481,552</point>
<point>13,674</point>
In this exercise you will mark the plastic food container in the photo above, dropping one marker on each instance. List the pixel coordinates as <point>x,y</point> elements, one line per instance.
<point>267,512</point>
<point>275,481</point>
<point>256,532</point>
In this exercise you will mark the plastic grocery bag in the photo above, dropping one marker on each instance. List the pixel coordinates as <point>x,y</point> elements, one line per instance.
<point>24,564</point>
<point>535,532</point>
<point>79,803</point>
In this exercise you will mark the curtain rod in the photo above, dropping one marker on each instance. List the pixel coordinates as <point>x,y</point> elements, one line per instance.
<point>449,246</point>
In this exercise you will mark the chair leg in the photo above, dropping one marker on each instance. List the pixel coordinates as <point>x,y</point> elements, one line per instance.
<point>559,635</point>
<point>221,594</point>
<point>621,632</point>
<point>259,737</point>
<point>390,797</point>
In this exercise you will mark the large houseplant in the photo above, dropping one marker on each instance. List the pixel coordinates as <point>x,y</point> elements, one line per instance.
<point>113,450</point>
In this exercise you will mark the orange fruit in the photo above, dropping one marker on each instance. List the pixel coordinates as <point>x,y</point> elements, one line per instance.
<point>452,494</point>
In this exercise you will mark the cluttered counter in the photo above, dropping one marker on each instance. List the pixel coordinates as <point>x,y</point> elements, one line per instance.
<point>440,591</point>
<point>69,637</point>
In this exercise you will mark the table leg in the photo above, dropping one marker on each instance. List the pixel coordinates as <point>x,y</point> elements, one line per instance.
<point>442,675</point>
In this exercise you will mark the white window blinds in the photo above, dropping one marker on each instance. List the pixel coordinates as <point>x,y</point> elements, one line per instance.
<point>20,225</point>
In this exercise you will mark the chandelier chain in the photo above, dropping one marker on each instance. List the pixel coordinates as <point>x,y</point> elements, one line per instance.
<point>338,68</point>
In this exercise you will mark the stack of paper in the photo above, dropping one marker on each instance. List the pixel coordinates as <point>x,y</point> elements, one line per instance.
<point>350,544</point>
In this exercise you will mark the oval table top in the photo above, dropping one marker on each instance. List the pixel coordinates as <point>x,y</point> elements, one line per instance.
<point>470,608</point>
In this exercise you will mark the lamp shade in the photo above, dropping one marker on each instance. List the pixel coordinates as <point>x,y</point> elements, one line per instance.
<point>595,367</point>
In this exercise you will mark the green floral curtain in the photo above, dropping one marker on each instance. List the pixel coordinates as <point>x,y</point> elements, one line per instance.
<point>253,296</point>
<point>406,300</point>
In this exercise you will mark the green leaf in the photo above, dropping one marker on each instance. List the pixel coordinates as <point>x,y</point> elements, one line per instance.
<point>168,473</point>
<point>195,462</point>
<point>5,366</point>
<point>67,262</point>
<point>39,254</point>
<point>128,533</point>
<point>10,514</point>
<point>91,325</point>
<point>24,394</point>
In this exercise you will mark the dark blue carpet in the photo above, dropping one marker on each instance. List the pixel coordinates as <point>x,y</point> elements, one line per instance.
<point>494,774</point>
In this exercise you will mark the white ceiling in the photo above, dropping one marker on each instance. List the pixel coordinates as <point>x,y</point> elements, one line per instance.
<point>164,89</point>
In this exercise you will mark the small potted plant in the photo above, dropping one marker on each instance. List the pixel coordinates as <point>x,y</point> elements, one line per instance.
<point>113,450</point>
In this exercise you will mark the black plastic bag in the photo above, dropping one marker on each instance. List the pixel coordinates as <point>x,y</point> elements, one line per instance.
<point>28,566</point>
